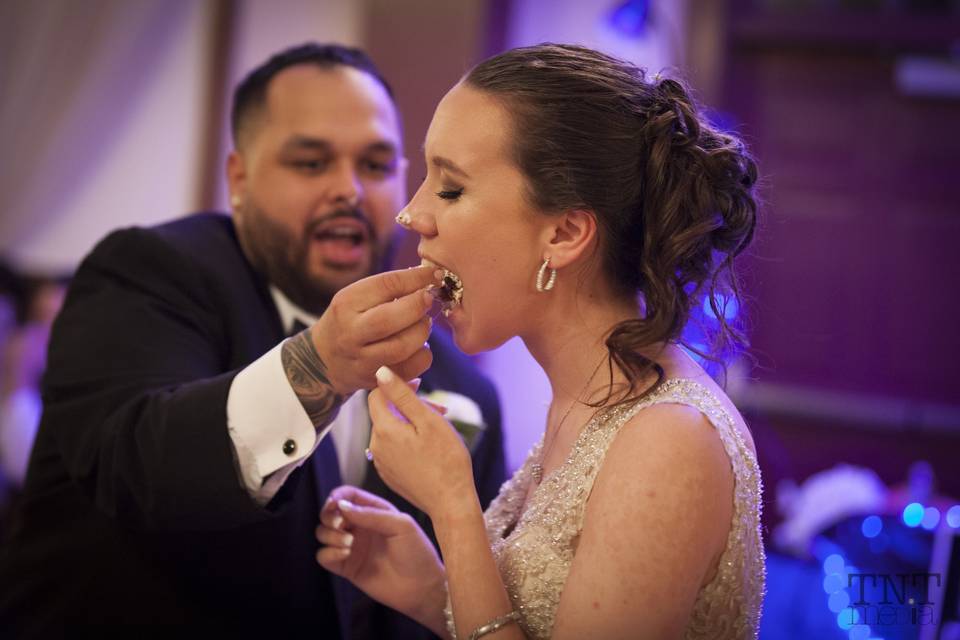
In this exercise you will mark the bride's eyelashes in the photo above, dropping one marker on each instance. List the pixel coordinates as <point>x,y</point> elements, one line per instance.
<point>450,194</point>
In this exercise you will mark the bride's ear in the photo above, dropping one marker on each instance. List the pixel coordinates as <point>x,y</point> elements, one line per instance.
<point>570,236</point>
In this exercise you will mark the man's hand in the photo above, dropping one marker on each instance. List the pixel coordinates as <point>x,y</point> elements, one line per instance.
<point>378,320</point>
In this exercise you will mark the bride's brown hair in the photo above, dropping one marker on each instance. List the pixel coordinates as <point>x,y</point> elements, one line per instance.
<point>673,196</point>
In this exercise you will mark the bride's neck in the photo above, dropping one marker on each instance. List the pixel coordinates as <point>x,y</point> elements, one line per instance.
<point>568,342</point>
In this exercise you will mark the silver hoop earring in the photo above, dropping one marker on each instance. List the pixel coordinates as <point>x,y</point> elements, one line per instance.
<point>541,273</point>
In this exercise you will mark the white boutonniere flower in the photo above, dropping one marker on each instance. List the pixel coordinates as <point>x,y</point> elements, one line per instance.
<point>462,412</point>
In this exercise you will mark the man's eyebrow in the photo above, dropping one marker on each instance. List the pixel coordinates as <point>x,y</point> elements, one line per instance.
<point>306,143</point>
<point>443,163</point>
<point>382,145</point>
<point>298,143</point>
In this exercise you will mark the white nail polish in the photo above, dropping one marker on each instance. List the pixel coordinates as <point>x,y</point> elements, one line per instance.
<point>337,521</point>
<point>384,375</point>
<point>346,505</point>
<point>348,540</point>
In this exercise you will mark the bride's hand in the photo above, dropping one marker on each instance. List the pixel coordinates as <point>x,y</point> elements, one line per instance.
<point>416,451</point>
<point>382,551</point>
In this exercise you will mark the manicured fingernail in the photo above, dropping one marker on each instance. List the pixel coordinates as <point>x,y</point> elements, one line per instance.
<point>384,375</point>
<point>346,505</point>
<point>438,274</point>
<point>427,298</point>
<point>348,540</point>
<point>344,552</point>
<point>337,521</point>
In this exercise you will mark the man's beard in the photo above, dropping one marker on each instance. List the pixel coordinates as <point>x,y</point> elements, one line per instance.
<point>283,257</point>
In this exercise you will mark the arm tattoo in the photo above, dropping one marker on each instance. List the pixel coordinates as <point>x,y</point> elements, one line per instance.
<point>307,374</point>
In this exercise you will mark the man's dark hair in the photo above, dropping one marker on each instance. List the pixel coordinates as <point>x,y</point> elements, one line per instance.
<point>250,94</point>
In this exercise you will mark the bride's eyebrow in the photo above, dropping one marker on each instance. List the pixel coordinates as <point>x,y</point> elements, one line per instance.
<point>443,163</point>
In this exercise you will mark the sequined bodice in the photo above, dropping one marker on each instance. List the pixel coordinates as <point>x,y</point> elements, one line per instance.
<point>535,555</point>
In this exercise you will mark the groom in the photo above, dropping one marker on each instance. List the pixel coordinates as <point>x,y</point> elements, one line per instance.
<point>185,448</point>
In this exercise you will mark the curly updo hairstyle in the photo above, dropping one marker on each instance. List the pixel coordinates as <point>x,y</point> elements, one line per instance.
<point>673,196</point>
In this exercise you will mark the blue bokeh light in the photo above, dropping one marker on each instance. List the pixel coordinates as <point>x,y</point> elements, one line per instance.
<point>847,618</point>
<point>872,526</point>
<point>834,563</point>
<point>728,306</point>
<point>953,516</point>
<point>630,18</point>
<point>913,514</point>
<point>931,518</point>
<point>838,601</point>
<point>859,632</point>
<point>833,582</point>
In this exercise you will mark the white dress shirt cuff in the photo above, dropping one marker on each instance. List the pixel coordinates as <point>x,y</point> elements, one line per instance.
<point>270,430</point>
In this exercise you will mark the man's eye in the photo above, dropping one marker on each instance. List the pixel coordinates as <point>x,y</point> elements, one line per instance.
<point>309,165</point>
<point>382,168</point>
<point>450,194</point>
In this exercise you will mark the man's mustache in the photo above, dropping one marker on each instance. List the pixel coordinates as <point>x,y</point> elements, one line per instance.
<point>349,213</point>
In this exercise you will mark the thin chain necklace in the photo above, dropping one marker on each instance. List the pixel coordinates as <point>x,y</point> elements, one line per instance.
<point>536,469</point>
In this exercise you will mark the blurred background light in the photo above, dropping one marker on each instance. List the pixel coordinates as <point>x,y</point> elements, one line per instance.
<point>833,582</point>
<point>838,601</point>
<point>834,563</point>
<point>953,516</point>
<point>872,526</point>
<point>913,514</point>
<point>931,518</point>
<point>728,306</point>
<point>630,18</point>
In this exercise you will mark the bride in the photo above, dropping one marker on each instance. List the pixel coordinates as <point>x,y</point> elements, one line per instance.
<point>587,210</point>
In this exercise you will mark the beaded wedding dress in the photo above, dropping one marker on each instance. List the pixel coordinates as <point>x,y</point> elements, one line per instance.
<point>535,555</point>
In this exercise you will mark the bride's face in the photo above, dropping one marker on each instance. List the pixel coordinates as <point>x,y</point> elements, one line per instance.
<point>474,219</point>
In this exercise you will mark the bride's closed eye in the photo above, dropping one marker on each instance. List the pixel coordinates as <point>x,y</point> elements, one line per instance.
<point>450,194</point>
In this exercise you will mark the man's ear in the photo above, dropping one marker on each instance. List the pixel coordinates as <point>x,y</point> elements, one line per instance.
<point>570,236</point>
<point>236,178</point>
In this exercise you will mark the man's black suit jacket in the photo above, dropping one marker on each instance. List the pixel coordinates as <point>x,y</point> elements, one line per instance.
<point>133,512</point>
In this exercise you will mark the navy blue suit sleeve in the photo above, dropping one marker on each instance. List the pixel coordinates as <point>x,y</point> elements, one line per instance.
<point>135,392</point>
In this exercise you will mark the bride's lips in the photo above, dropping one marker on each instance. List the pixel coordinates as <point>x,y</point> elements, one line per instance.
<point>342,241</point>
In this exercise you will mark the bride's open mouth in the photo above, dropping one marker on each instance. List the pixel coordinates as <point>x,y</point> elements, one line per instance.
<point>449,293</point>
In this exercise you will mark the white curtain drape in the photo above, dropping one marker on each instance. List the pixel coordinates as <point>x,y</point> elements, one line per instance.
<point>74,77</point>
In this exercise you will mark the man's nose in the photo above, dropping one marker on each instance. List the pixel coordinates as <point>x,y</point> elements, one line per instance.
<point>346,187</point>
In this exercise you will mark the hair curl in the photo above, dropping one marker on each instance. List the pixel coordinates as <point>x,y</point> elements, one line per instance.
<point>673,196</point>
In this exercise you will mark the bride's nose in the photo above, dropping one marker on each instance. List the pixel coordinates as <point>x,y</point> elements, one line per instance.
<point>417,219</point>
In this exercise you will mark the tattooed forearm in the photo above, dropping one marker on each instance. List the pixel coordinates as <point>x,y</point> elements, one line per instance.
<point>307,374</point>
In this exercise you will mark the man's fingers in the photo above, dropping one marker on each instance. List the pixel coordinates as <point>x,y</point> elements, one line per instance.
<point>415,365</point>
<point>399,346</point>
<point>390,285</point>
<point>400,395</point>
<point>389,318</point>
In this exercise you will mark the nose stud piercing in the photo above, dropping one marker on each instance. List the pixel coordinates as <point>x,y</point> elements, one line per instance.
<point>403,219</point>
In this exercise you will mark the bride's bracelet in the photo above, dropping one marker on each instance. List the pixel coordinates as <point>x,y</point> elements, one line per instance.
<point>494,625</point>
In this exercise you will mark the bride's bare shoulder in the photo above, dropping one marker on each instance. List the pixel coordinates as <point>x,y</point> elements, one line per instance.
<point>679,364</point>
